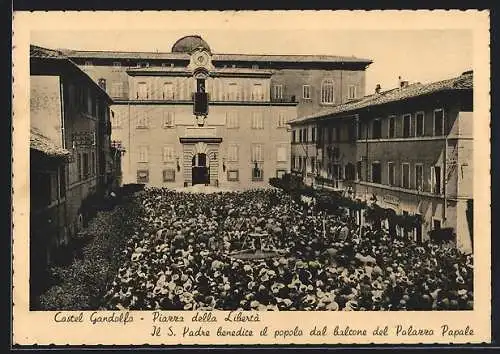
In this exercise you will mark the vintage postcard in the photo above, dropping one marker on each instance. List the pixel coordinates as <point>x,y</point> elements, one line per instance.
<point>260,177</point>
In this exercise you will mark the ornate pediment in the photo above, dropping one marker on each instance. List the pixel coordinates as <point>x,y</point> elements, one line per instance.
<point>200,62</point>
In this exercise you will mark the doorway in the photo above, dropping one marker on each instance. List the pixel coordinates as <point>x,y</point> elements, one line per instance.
<point>200,169</point>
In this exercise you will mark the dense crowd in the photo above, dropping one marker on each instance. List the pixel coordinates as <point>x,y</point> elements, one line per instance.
<point>181,256</point>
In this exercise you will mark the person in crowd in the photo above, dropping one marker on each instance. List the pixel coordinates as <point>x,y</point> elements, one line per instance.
<point>180,257</point>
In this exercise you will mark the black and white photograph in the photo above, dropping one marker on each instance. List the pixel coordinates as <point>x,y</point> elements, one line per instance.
<point>253,169</point>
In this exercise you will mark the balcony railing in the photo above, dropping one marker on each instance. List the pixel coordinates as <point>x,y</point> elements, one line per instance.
<point>284,99</point>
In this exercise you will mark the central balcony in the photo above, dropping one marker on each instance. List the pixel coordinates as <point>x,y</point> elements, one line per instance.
<point>196,134</point>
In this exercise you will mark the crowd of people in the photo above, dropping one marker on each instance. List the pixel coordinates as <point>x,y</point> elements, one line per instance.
<point>181,256</point>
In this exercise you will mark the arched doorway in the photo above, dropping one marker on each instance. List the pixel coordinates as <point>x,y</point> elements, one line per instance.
<point>200,169</point>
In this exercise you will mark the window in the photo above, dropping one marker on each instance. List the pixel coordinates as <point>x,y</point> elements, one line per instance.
<point>359,171</point>
<point>142,176</point>
<point>88,63</point>
<point>305,133</point>
<point>92,164</point>
<point>257,120</point>
<point>436,179</point>
<point>294,136</point>
<point>255,66</point>
<point>168,120</point>
<point>281,153</point>
<point>142,91</point>
<point>116,120</point>
<point>62,181</point>
<point>313,134</point>
<point>392,121</point>
<point>233,92</point>
<point>143,64</point>
<point>436,224</point>
<point>257,173</point>
<point>42,196</point>
<point>327,91</point>
<point>337,171</point>
<point>419,177</point>
<point>419,124</point>
<point>280,173</point>
<point>232,119</point>
<point>168,153</point>
<point>257,153</point>
<point>257,92</point>
<point>142,121</point>
<point>85,162</point>
<point>405,175</point>
<point>232,153</point>
<point>169,175</point>
<point>281,120</point>
<point>391,177</point>
<point>306,92</point>
<point>233,175</point>
<point>168,91</point>
<point>278,92</point>
<point>377,129</point>
<point>351,92</point>
<point>351,132</point>
<point>438,122</point>
<point>376,173</point>
<point>293,162</point>
<point>79,165</point>
<point>143,154</point>
<point>349,172</point>
<point>117,89</point>
<point>331,134</point>
<point>361,130</point>
<point>117,64</point>
<point>406,125</point>
<point>89,102</point>
<point>313,164</point>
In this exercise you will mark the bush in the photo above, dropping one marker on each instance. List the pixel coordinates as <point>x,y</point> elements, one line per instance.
<point>82,284</point>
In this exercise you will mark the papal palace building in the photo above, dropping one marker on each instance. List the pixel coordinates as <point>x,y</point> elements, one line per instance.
<point>244,139</point>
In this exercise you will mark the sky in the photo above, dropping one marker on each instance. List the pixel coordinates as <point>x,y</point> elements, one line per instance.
<point>416,55</point>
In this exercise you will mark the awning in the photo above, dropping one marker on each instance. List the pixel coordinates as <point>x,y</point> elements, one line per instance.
<point>43,144</point>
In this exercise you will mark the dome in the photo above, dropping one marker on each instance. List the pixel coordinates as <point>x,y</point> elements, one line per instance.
<point>188,44</point>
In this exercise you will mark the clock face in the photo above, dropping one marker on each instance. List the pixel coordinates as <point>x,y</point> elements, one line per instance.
<point>201,59</point>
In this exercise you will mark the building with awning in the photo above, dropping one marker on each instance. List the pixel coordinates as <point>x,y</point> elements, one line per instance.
<point>70,147</point>
<point>410,148</point>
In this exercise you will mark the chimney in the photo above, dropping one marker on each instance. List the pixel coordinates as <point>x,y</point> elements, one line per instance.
<point>378,88</point>
<point>399,81</point>
<point>404,84</point>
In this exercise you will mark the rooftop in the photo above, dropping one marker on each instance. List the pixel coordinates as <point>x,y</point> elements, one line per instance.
<point>43,144</point>
<point>46,55</point>
<point>39,52</point>
<point>462,82</point>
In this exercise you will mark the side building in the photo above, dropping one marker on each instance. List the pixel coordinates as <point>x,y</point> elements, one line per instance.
<point>410,149</point>
<point>244,139</point>
<point>70,153</point>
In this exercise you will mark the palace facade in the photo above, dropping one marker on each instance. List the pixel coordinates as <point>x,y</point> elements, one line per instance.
<point>244,139</point>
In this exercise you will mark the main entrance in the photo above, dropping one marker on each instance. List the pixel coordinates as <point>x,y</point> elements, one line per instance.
<point>200,169</point>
